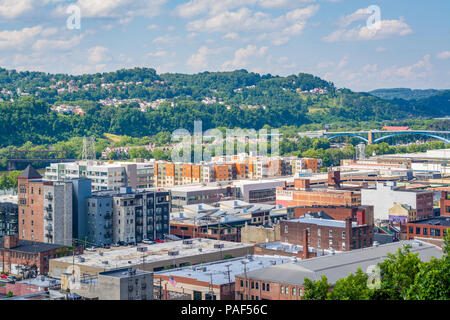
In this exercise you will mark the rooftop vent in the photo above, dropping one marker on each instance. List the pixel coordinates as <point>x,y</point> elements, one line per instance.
<point>218,246</point>
<point>101,253</point>
<point>142,249</point>
<point>200,249</point>
<point>105,262</point>
<point>376,244</point>
<point>81,259</point>
<point>173,253</point>
<point>189,241</point>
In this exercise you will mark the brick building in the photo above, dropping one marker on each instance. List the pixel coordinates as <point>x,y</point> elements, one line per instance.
<point>17,255</point>
<point>362,214</point>
<point>303,194</point>
<point>286,281</point>
<point>445,203</point>
<point>327,234</point>
<point>433,228</point>
<point>31,205</point>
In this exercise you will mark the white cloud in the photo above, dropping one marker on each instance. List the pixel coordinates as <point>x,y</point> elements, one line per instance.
<point>444,55</point>
<point>214,7</point>
<point>152,27</point>
<point>160,53</point>
<point>199,60</point>
<point>98,54</point>
<point>11,9</point>
<point>381,49</point>
<point>51,44</point>
<point>18,39</point>
<point>417,70</point>
<point>242,55</point>
<point>125,10</point>
<point>387,28</point>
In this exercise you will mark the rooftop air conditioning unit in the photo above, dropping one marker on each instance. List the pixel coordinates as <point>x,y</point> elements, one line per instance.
<point>81,259</point>
<point>105,262</point>
<point>100,253</point>
<point>218,246</point>
<point>173,253</point>
<point>189,241</point>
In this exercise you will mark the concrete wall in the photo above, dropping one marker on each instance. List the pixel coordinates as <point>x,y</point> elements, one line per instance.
<point>259,234</point>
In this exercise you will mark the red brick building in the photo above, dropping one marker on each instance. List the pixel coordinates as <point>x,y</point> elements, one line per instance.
<point>327,234</point>
<point>15,253</point>
<point>31,205</point>
<point>303,194</point>
<point>445,203</point>
<point>361,214</point>
<point>433,228</point>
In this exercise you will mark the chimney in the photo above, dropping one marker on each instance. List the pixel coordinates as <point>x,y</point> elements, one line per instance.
<point>305,245</point>
<point>302,184</point>
<point>334,179</point>
<point>348,231</point>
<point>11,242</point>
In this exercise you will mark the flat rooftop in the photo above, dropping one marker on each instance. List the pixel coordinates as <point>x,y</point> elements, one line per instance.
<point>128,257</point>
<point>27,246</point>
<point>339,265</point>
<point>322,222</point>
<point>124,273</point>
<point>436,221</point>
<point>219,269</point>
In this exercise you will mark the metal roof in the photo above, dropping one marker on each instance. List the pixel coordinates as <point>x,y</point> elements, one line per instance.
<point>340,265</point>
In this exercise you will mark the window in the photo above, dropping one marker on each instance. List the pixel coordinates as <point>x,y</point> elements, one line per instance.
<point>330,244</point>
<point>318,232</point>
<point>294,291</point>
<point>343,245</point>
<point>343,234</point>
<point>268,287</point>
<point>264,287</point>
<point>282,290</point>
<point>425,231</point>
<point>285,229</point>
<point>253,285</point>
<point>417,230</point>
<point>330,233</point>
<point>411,229</point>
<point>257,285</point>
<point>318,243</point>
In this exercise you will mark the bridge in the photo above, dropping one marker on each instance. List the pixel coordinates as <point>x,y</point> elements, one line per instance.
<point>376,136</point>
<point>28,156</point>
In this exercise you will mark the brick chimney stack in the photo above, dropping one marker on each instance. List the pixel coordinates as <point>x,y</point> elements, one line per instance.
<point>348,232</point>
<point>305,245</point>
<point>11,242</point>
<point>302,184</point>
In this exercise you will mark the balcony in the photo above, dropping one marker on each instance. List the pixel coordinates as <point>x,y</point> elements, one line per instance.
<point>49,197</point>
<point>108,216</point>
<point>108,235</point>
<point>48,209</point>
<point>49,228</point>
<point>48,217</point>
<point>108,226</point>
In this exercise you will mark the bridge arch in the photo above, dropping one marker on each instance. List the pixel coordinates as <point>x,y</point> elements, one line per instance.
<point>412,132</point>
<point>348,134</point>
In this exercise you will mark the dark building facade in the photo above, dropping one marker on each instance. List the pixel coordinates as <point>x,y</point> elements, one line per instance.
<point>9,219</point>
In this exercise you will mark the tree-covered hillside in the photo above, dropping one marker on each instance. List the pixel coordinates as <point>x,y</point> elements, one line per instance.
<point>139,102</point>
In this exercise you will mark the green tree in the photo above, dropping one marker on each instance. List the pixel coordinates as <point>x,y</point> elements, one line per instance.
<point>316,290</point>
<point>353,287</point>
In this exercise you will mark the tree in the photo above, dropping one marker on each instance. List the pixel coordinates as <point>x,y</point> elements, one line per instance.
<point>316,290</point>
<point>353,287</point>
<point>398,273</point>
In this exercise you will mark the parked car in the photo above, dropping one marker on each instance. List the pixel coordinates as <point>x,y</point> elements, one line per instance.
<point>116,245</point>
<point>159,240</point>
<point>11,279</point>
<point>90,249</point>
<point>3,276</point>
<point>148,241</point>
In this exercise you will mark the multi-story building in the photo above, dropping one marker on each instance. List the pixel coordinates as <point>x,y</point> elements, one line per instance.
<point>23,256</point>
<point>224,222</point>
<point>31,205</point>
<point>9,219</point>
<point>327,234</point>
<point>120,284</point>
<point>286,281</point>
<point>58,212</point>
<point>303,194</point>
<point>128,216</point>
<point>51,211</point>
<point>432,228</point>
<point>445,203</point>
<point>362,214</point>
<point>197,283</point>
<point>383,197</point>
<point>221,169</point>
<point>104,175</point>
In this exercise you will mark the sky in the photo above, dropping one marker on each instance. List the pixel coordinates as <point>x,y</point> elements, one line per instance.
<point>357,44</point>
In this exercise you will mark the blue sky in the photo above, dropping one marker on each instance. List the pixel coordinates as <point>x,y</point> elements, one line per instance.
<point>409,46</point>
